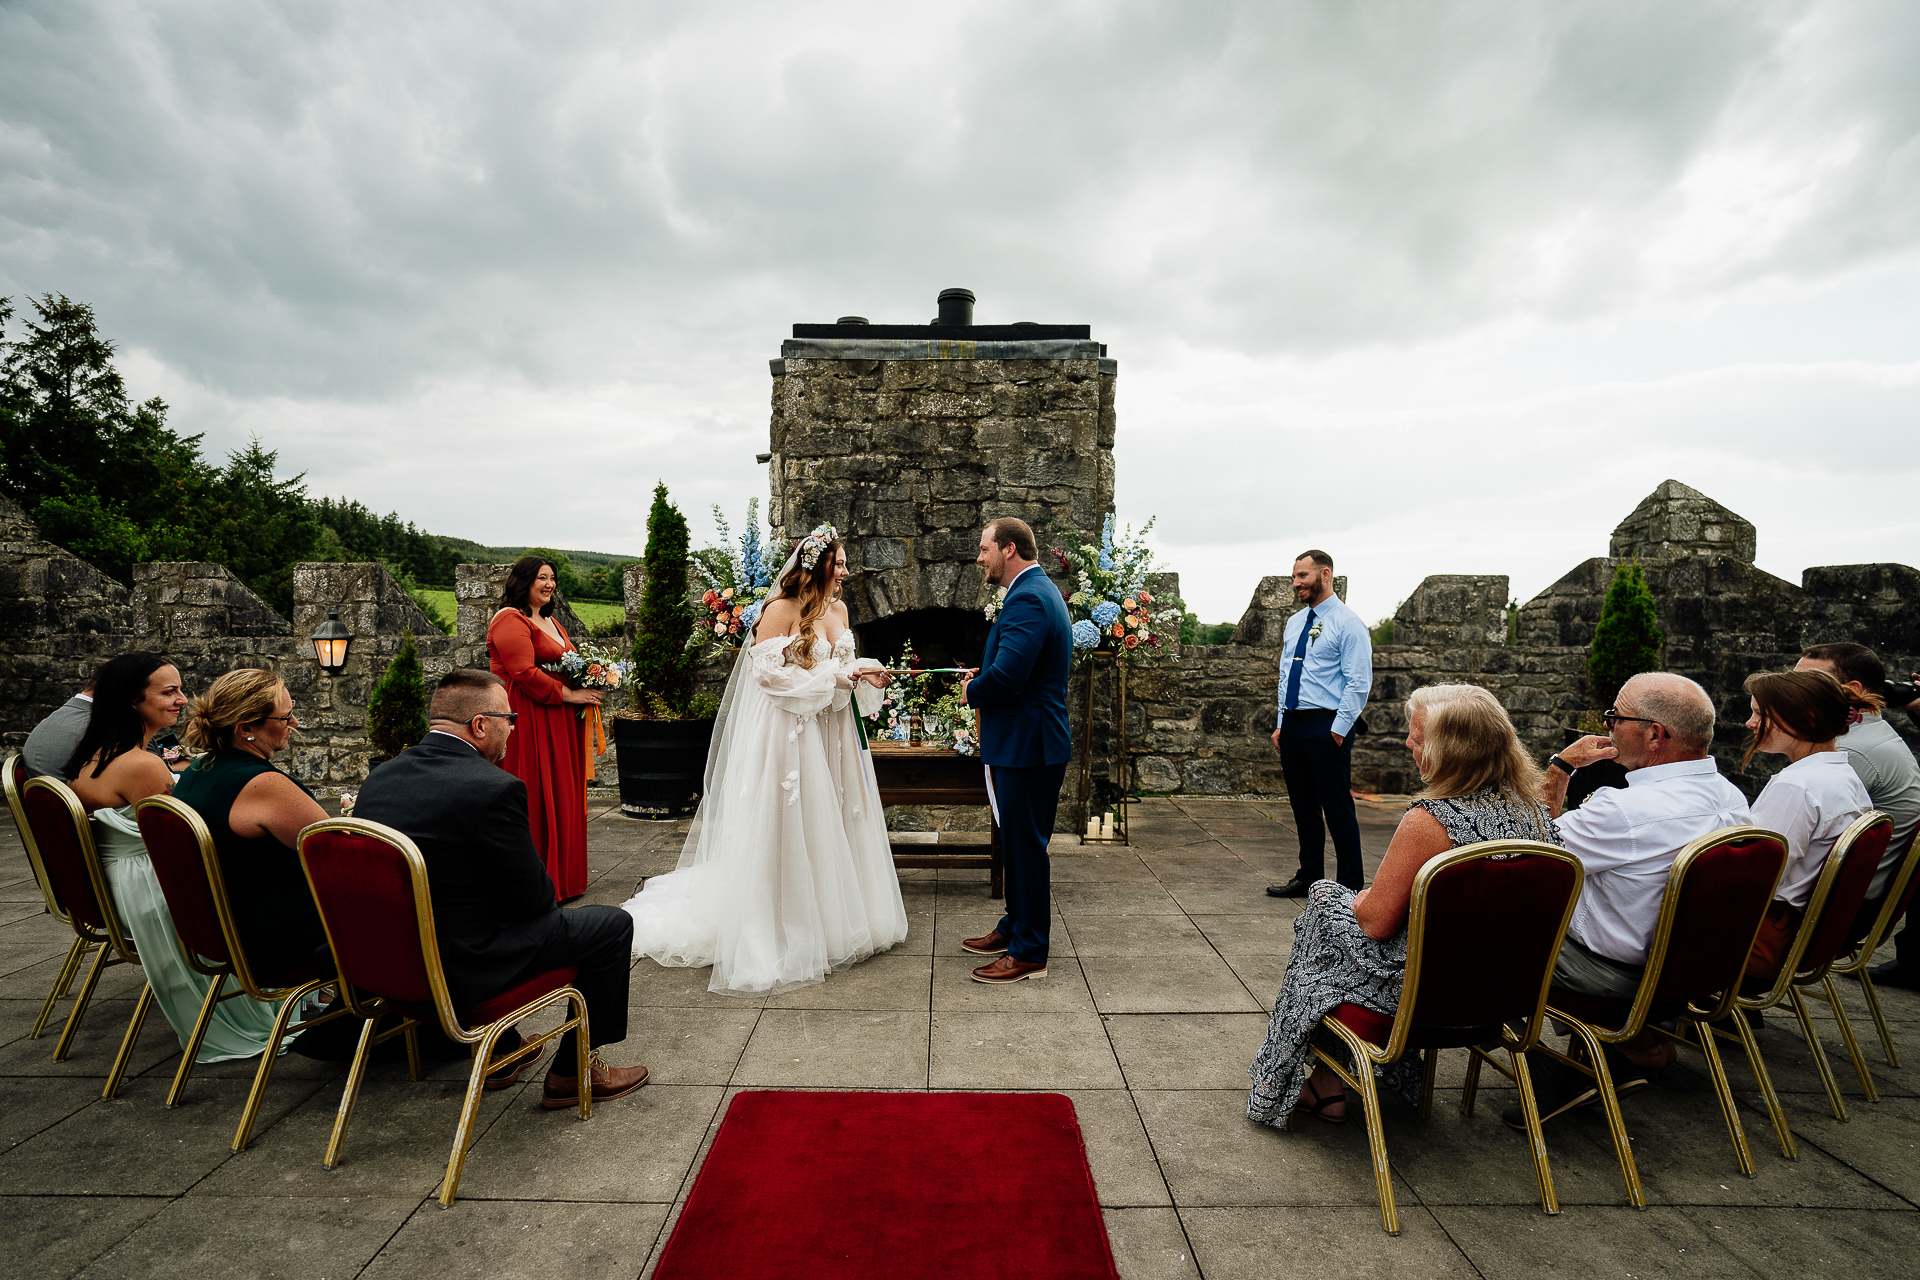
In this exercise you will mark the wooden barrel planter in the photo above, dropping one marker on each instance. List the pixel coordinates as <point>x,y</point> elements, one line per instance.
<point>663,765</point>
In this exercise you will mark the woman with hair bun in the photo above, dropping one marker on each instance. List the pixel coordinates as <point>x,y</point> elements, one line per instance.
<point>548,746</point>
<point>255,813</point>
<point>787,874</point>
<point>1798,714</point>
<point>135,696</point>
<point>1352,948</point>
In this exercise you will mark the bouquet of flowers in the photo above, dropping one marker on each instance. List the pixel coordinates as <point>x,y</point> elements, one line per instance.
<point>742,575</point>
<point>588,667</point>
<point>1113,611</point>
<point>955,722</point>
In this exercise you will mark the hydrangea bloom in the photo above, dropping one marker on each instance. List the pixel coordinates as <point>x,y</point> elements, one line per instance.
<point>1085,634</point>
<point>1104,613</point>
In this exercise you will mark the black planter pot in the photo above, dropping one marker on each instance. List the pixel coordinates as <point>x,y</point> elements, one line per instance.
<point>1584,782</point>
<point>663,765</point>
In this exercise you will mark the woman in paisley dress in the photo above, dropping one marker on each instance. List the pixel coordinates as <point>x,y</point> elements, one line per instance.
<point>787,874</point>
<point>1352,948</point>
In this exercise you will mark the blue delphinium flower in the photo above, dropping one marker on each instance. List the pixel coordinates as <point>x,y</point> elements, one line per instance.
<point>1105,613</point>
<point>1106,545</point>
<point>1085,635</point>
<point>750,616</point>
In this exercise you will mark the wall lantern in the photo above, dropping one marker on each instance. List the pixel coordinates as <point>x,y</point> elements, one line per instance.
<point>330,644</point>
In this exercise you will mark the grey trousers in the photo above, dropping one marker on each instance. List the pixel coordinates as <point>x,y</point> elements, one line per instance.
<point>1578,969</point>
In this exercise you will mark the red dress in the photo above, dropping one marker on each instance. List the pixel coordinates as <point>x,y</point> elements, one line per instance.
<point>547,748</point>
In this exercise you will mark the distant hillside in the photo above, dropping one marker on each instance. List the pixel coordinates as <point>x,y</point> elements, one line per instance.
<point>481,554</point>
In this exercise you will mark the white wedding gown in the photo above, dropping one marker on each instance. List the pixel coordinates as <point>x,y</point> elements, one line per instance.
<point>786,875</point>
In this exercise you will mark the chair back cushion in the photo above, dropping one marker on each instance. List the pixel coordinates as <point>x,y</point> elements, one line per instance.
<point>60,835</point>
<point>364,889</point>
<point>1906,894</point>
<point>1860,857</point>
<point>1490,930</point>
<point>175,850</point>
<point>1724,890</point>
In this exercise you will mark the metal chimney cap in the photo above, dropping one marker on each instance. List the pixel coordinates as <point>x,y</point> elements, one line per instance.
<point>957,293</point>
<point>851,320</point>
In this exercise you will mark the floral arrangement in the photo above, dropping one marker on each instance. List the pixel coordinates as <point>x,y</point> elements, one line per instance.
<point>901,700</point>
<point>589,667</point>
<point>742,574</point>
<point>944,719</point>
<point>1113,611</point>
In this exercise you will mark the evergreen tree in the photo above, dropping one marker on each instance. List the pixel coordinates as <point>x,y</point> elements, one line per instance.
<point>1627,639</point>
<point>397,715</point>
<point>664,663</point>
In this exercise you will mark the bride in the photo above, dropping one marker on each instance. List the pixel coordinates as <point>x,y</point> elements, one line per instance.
<point>787,874</point>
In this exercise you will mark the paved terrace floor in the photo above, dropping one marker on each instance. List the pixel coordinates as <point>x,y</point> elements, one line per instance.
<point>1165,957</point>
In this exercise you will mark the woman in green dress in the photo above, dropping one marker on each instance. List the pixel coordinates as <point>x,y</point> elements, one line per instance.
<point>136,696</point>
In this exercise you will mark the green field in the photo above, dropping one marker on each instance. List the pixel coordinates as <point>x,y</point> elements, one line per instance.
<point>595,613</point>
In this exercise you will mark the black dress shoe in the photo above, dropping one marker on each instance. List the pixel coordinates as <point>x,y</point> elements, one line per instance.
<point>1890,974</point>
<point>1294,888</point>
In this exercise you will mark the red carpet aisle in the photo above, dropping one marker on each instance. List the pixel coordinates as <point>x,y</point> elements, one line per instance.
<point>845,1186</point>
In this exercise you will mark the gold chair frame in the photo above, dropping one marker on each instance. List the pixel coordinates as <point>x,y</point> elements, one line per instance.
<point>1596,1038</point>
<point>83,938</point>
<point>1787,985</point>
<point>237,968</point>
<point>1858,966</point>
<point>482,1039</point>
<point>115,946</point>
<point>1367,1055</point>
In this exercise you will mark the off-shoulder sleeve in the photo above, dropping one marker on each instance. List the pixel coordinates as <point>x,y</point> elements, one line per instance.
<point>510,655</point>
<point>803,691</point>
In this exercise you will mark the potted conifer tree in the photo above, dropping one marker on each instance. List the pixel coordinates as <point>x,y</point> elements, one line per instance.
<point>397,712</point>
<point>1626,642</point>
<point>661,739</point>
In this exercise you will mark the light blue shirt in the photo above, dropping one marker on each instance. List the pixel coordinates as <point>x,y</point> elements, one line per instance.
<point>1337,670</point>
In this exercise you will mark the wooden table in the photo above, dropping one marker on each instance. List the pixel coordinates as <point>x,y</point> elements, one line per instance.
<point>910,774</point>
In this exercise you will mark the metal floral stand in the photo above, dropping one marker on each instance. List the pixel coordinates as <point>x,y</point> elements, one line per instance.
<point>1104,661</point>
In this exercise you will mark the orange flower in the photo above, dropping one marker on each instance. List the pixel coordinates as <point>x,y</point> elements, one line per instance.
<point>1145,598</point>
<point>593,668</point>
<point>710,599</point>
<point>1119,629</point>
<point>1132,641</point>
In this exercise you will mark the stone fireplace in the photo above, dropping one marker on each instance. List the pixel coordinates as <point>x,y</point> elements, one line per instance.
<point>908,438</point>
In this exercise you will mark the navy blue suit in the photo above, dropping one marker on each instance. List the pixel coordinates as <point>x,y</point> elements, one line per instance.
<point>1021,694</point>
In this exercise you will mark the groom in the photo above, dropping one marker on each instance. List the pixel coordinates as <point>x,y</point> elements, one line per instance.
<point>1021,694</point>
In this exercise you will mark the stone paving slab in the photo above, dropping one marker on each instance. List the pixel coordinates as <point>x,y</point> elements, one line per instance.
<point>1166,957</point>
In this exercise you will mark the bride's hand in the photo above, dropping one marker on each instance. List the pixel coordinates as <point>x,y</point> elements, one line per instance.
<point>878,679</point>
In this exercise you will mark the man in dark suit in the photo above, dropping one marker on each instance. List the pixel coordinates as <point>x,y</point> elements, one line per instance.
<point>493,907</point>
<point>1021,694</point>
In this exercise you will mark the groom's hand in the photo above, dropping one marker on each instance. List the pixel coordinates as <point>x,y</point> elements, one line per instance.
<point>966,676</point>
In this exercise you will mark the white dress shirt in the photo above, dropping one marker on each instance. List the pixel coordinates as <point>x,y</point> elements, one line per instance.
<point>1810,802</point>
<point>1627,840</point>
<point>1892,778</point>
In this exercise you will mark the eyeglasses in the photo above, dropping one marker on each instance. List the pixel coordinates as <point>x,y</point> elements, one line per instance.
<point>1610,718</point>
<point>510,717</point>
<point>291,718</point>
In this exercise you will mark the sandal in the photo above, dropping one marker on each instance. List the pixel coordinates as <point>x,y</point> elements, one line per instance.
<point>1315,1105</point>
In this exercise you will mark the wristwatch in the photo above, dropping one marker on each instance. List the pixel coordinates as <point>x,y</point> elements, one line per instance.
<point>1557,763</point>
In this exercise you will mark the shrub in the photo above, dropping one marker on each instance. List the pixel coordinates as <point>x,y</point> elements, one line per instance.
<point>664,662</point>
<point>1626,640</point>
<point>397,715</point>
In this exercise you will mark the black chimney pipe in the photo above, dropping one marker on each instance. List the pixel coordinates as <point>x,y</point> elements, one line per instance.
<point>956,307</point>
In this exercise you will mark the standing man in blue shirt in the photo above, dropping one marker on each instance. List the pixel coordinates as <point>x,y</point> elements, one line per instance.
<point>1326,669</point>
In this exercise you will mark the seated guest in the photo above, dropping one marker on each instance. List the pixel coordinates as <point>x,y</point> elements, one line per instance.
<point>255,813</point>
<point>136,696</point>
<point>1661,727</point>
<point>1798,714</point>
<point>1888,771</point>
<point>1352,948</point>
<point>52,741</point>
<point>493,908</point>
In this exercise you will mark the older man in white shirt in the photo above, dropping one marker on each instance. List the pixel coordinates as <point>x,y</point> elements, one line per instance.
<point>1661,728</point>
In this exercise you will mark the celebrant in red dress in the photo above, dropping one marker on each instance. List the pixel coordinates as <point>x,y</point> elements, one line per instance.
<point>548,748</point>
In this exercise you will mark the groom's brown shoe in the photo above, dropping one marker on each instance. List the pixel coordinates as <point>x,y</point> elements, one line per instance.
<point>1007,969</point>
<point>608,1083</point>
<point>987,944</point>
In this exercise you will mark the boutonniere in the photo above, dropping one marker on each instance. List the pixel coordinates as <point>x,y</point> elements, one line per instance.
<point>994,601</point>
<point>1314,634</point>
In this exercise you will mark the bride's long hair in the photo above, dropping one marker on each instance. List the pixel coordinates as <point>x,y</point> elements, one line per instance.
<point>812,589</point>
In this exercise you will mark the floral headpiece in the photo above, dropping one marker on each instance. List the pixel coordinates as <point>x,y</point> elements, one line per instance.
<point>815,543</point>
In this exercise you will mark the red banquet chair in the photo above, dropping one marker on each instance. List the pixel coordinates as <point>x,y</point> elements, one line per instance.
<point>188,867</point>
<point>13,776</point>
<point>370,883</point>
<point>1857,965</point>
<point>64,838</point>
<point>1821,938</point>
<point>1717,893</point>
<point>1483,927</point>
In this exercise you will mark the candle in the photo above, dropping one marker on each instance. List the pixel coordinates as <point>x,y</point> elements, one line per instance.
<point>1106,827</point>
<point>1093,828</point>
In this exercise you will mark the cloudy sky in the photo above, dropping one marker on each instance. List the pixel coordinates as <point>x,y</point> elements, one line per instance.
<point>1440,287</point>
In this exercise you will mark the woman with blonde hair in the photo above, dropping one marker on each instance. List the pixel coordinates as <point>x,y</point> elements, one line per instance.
<point>1352,948</point>
<point>255,813</point>
<point>787,874</point>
